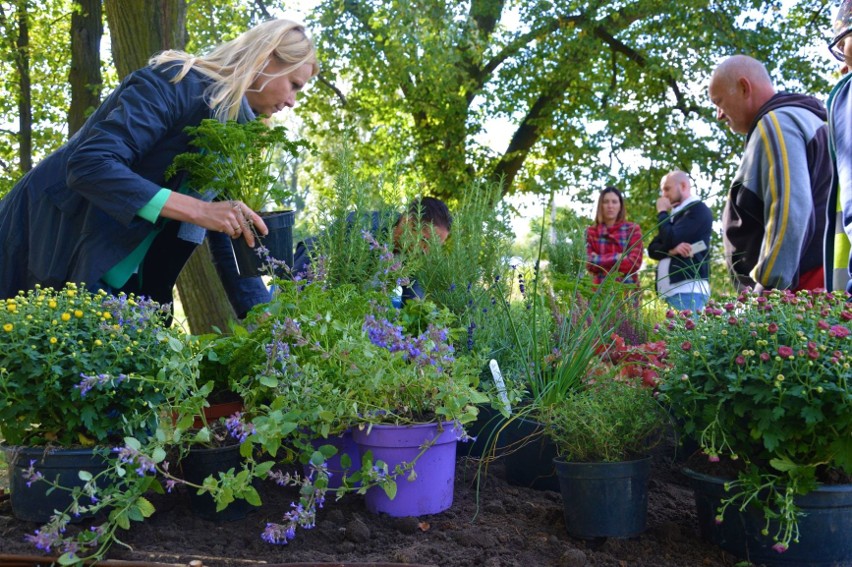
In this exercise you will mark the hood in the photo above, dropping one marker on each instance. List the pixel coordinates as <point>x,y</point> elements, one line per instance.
<point>789,99</point>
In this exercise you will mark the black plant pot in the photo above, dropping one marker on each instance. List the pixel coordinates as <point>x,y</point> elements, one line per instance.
<point>35,503</point>
<point>824,529</point>
<point>529,455</point>
<point>279,242</point>
<point>486,441</point>
<point>202,462</point>
<point>604,499</point>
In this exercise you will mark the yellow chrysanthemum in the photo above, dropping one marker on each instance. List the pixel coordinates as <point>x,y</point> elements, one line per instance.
<point>52,304</point>
<point>8,327</point>
<point>78,314</point>
<point>66,316</point>
<point>53,340</point>
<point>107,315</point>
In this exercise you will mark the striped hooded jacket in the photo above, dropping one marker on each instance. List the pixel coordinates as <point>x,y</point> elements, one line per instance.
<point>774,219</point>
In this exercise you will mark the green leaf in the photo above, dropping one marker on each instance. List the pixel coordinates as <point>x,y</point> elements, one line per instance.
<point>251,496</point>
<point>158,455</point>
<point>134,514</point>
<point>69,558</point>
<point>122,521</point>
<point>783,464</point>
<point>268,381</point>
<point>390,489</point>
<point>145,507</point>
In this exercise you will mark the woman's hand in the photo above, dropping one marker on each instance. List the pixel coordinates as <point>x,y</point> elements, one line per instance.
<point>243,221</point>
<point>233,218</point>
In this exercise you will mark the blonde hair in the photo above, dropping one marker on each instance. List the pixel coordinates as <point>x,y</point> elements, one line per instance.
<point>236,64</point>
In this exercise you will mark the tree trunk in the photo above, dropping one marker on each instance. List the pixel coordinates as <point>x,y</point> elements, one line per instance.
<point>202,296</point>
<point>142,28</point>
<point>139,29</point>
<point>25,111</point>
<point>85,75</point>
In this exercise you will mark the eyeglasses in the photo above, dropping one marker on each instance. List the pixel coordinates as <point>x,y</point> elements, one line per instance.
<point>836,46</point>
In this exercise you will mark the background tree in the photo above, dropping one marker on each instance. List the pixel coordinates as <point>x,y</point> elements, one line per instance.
<point>593,92</point>
<point>85,74</point>
<point>34,86</point>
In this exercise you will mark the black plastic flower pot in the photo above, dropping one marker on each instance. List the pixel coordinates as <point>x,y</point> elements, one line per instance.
<point>279,242</point>
<point>202,462</point>
<point>485,441</point>
<point>36,502</point>
<point>529,455</point>
<point>824,527</point>
<point>604,499</point>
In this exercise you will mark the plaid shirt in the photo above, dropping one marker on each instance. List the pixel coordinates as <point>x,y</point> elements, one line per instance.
<point>614,247</point>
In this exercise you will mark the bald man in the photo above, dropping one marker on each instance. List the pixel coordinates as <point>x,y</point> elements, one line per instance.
<point>774,219</point>
<point>682,244</point>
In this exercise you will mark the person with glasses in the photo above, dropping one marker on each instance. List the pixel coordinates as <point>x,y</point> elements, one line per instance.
<point>774,218</point>
<point>838,259</point>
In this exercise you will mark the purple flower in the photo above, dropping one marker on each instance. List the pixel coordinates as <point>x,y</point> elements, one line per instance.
<point>31,475</point>
<point>238,429</point>
<point>43,540</point>
<point>129,455</point>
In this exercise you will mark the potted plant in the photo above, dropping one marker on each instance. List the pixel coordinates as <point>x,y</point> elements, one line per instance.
<point>320,362</point>
<point>244,162</point>
<point>86,379</point>
<point>603,433</point>
<point>557,344</point>
<point>761,381</point>
<point>418,395</point>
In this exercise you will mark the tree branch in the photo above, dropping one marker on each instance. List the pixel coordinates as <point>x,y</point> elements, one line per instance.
<point>323,81</point>
<point>637,58</point>
<point>261,7</point>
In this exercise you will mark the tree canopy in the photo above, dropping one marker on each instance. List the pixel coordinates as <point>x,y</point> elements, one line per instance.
<point>592,92</point>
<point>435,94</point>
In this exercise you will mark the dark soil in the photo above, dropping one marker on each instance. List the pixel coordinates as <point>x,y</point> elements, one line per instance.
<point>497,526</point>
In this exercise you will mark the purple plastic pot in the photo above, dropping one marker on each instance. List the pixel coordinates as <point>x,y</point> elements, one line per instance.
<point>431,491</point>
<point>344,445</point>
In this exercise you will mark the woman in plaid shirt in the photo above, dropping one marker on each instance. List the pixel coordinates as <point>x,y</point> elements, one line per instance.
<point>612,243</point>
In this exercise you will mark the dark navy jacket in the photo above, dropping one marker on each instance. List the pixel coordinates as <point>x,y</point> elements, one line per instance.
<point>691,224</point>
<point>73,216</point>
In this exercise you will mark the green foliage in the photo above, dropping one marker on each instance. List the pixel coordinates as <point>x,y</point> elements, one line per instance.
<point>555,339</point>
<point>765,378</point>
<point>238,161</point>
<point>607,420</point>
<point>321,359</point>
<point>426,77</point>
<point>49,30</point>
<point>81,368</point>
<point>154,414</point>
<point>339,357</point>
<point>565,249</point>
